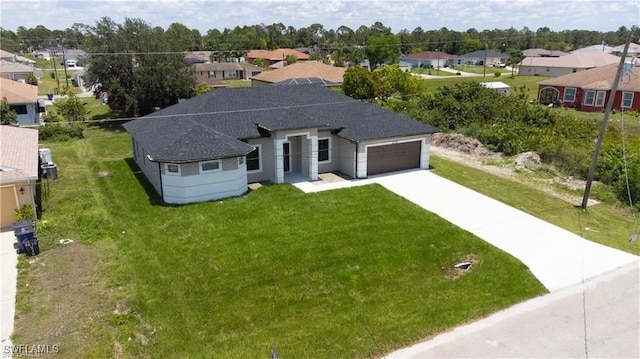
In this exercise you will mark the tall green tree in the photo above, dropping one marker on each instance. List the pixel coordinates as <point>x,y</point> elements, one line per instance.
<point>71,108</point>
<point>7,115</point>
<point>383,49</point>
<point>515,56</point>
<point>131,64</point>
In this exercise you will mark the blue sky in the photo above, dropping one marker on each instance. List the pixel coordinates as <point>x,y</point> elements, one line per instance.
<point>459,15</point>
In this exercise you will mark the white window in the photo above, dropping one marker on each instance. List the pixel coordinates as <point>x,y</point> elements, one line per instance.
<point>211,166</point>
<point>589,97</point>
<point>230,74</point>
<point>627,99</point>
<point>240,161</point>
<point>569,94</point>
<point>324,150</point>
<point>254,159</point>
<point>600,95</point>
<point>172,168</point>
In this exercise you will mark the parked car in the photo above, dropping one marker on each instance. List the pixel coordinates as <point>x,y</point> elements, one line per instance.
<point>498,64</point>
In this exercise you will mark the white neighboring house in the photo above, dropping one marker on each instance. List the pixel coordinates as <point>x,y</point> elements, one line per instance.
<point>564,65</point>
<point>499,87</point>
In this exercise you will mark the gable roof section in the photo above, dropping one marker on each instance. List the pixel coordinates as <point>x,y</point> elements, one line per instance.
<point>430,55</point>
<point>543,53</point>
<point>307,81</point>
<point>17,92</point>
<point>600,78</point>
<point>481,53</point>
<point>582,60</point>
<point>595,48</point>
<point>18,154</point>
<point>236,114</point>
<point>219,66</point>
<point>275,55</point>
<point>14,67</point>
<point>301,70</point>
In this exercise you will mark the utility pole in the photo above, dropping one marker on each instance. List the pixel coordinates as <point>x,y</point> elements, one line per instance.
<point>485,60</point>
<point>64,63</point>
<point>603,126</point>
<point>55,70</point>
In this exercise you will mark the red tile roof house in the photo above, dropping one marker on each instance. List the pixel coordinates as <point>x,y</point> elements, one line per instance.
<point>590,90</point>
<point>18,170</point>
<point>212,146</point>
<point>273,56</point>
<point>23,99</point>
<point>302,72</point>
<point>433,59</point>
<point>564,65</point>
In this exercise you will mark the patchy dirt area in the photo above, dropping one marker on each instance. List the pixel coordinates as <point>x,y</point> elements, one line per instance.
<point>62,300</point>
<point>470,152</point>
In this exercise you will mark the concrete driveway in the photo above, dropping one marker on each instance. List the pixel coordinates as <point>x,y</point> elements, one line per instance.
<point>557,257</point>
<point>8,277</point>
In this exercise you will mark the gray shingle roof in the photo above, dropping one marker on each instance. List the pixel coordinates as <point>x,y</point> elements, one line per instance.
<point>214,125</point>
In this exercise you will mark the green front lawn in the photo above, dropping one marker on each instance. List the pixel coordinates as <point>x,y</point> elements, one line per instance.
<point>348,273</point>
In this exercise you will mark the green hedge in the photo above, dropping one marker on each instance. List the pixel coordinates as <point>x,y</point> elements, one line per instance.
<point>54,132</point>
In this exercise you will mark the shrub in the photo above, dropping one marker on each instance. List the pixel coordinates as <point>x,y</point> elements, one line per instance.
<point>24,213</point>
<point>497,73</point>
<point>60,132</point>
<point>32,80</point>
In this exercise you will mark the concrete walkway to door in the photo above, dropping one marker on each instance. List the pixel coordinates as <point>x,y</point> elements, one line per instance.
<point>8,278</point>
<point>557,257</point>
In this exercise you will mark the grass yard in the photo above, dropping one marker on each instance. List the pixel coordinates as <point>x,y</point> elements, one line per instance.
<point>347,273</point>
<point>49,84</point>
<point>474,69</point>
<point>530,83</point>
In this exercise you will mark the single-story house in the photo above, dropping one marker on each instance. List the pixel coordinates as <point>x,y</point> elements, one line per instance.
<point>23,100</point>
<point>212,146</point>
<point>227,70</point>
<point>19,168</point>
<point>634,50</point>
<point>590,90</point>
<point>301,70</point>
<point>16,71</point>
<point>497,86</point>
<point>198,57</point>
<point>435,59</point>
<point>11,57</point>
<point>479,57</point>
<point>564,65</point>
<point>405,66</point>
<point>273,56</point>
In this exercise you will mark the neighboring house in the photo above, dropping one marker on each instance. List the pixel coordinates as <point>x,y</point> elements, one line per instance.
<point>215,83</point>
<point>226,70</point>
<point>16,71</point>
<point>212,146</point>
<point>428,59</point>
<point>543,53</point>
<point>499,87</point>
<point>405,66</point>
<point>590,90</point>
<point>301,70</point>
<point>479,57</point>
<point>273,56</point>
<point>23,99</point>
<point>634,50</point>
<point>198,57</point>
<point>8,56</point>
<point>564,65</point>
<point>19,170</point>
<point>595,48</point>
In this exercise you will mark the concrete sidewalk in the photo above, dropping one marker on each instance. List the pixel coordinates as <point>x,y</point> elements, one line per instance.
<point>598,319</point>
<point>557,257</point>
<point>8,278</point>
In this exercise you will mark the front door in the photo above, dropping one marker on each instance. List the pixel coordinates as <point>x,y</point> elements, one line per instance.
<point>286,156</point>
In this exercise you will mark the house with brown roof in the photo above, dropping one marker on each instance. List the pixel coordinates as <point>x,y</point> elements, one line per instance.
<point>564,65</point>
<point>590,90</point>
<point>634,50</point>
<point>433,59</point>
<point>273,56</point>
<point>301,73</point>
<point>19,168</point>
<point>23,100</point>
<point>226,70</point>
<point>538,52</point>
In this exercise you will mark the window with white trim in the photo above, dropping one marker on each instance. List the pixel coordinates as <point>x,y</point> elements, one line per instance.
<point>254,159</point>
<point>210,166</point>
<point>600,95</point>
<point>324,152</point>
<point>569,94</point>
<point>627,100</point>
<point>172,168</point>
<point>589,97</point>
